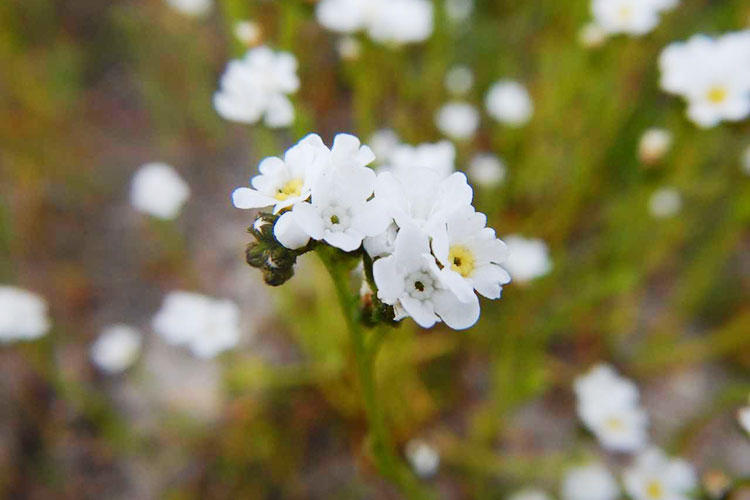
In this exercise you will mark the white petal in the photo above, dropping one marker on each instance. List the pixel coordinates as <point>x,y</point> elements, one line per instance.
<point>346,241</point>
<point>456,314</point>
<point>389,281</point>
<point>371,219</point>
<point>288,233</point>
<point>247,198</point>
<point>422,312</point>
<point>279,112</point>
<point>309,220</point>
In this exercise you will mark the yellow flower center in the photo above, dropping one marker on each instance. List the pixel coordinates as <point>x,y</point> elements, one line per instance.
<point>625,13</point>
<point>290,189</point>
<point>717,95</point>
<point>614,424</point>
<point>655,490</point>
<point>462,260</point>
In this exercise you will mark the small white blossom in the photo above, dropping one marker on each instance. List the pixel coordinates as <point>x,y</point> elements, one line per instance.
<point>609,407</point>
<point>23,315</point>
<point>410,280</point>
<point>508,102</point>
<point>665,202</point>
<point>745,161</point>
<point>423,458</point>
<point>349,48</point>
<point>205,325</point>
<point>248,32</point>
<point>256,87</point>
<point>195,8</point>
<point>386,21</point>
<point>459,80</point>
<point>743,417</point>
<point>340,211</point>
<point>458,120</point>
<point>654,144</point>
<point>459,11</point>
<point>590,482</point>
<point>116,349</point>
<point>592,36</point>
<point>654,476</point>
<point>530,494</point>
<point>712,75</point>
<point>528,259</point>
<point>633,17</point>
<point>158,190</point>
<point>282,183</point>
<point>439,157</point>
<point>470,255</point>
<point>382,244</point>
<point>486,170</point>
<point>383,143</point>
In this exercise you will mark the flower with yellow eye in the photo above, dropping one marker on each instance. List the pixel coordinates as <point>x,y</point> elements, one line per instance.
<point>282,183</point>
<point>654,476</point>
<point>470,254</point>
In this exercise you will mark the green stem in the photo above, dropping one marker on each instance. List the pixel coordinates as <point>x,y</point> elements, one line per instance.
<point>339,266</point>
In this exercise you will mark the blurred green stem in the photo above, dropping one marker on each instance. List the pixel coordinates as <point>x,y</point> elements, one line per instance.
<point>340,266</point>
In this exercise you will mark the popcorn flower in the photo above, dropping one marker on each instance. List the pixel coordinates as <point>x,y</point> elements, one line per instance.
<point>116,348</point>
<point>423,458</point>
<point>508,102</point>
<point>386,21</point>
<point>743,417</point>
<point>633,17</point>
<point>349,48</point>
<point>383,143</point>
<point>654,476</point>
<point>195,8</point>
<point>425,249</point>
<point>654,144</point>
<point>589,482</point>
<point>158,190</point>
<point>459,80</point>
<point>608,406</point>
<point>665,202</point>
<point>205,325</point>
<point>256,87</point>
<point>592,35</point>
<point>528,259</point>
<point>712,75</point>
<point>486,170</point>
<point>248,32</point>
<point>23,315</point>
<point>458,120</point>
<point>530,494</point>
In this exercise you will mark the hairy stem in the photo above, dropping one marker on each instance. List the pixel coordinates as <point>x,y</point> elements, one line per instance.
<point>339,267</point>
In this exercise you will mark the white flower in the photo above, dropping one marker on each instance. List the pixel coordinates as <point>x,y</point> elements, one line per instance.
<point>457,120</point>
<point>528,259</point>
<point>349,48</point>
<point>458,11</point>
<point>439,157</point>
<point>410,280</point>
<point>634,17</point>
<point>654,476</point>
<point>654,144</point>
<point>743,417</point>
<point>247,32</point>
<point>470,255</point>
<point>423,458</point>
<point>486,170</point>
<point>282,183</point>
<point>205,325</point>
<point>383,143</point>
<point>158,190</point>
<point>530,494</point>
<point>665,202</point>
<point>340,211</point>
<point>459,80</point>
<point>590,482</point>
<point>609,407</point>
<point>382,244</point>
<point>713,75</point>
<point>421,196</point>
<point>23,315</point>
<point>116,348</point>
<point>389,21</point>
<point>196,8</point>
<point>256,87</point>
<point>592,36</point>
<point>508,102</point>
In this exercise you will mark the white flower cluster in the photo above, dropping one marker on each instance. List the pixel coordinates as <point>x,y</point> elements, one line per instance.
<point>711,74</point>
<point>158,190</point>
<point>23,315</point>
<point>608,405</point>
<point>205,325</point>
<point>116,348</point>
<point>632,17</point>
<point>256,87</point>
<point>423,457</point>
<point>386,21</point>
<point>431,249</point>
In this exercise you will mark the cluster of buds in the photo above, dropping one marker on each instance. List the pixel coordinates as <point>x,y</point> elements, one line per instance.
<point>267,254</point>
